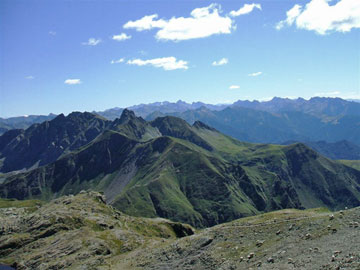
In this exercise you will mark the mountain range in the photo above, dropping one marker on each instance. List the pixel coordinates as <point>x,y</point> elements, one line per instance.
<point>324,108</point>
<point>253,125</point>
<point>144,110</point>
<point>169,168</point>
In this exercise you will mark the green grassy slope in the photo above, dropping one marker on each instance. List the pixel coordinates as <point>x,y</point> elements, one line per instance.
<point>192,174</point>
<point>351,163</point>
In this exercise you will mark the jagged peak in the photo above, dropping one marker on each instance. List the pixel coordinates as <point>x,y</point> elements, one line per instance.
<point>181,102</point>
<point>127,115</point>
<point>60,116</point>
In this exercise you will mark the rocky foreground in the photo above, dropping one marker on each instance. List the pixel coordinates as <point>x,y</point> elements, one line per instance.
<point>82,232</point>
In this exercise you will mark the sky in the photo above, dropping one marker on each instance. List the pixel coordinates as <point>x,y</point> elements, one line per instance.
<point>63,56</point>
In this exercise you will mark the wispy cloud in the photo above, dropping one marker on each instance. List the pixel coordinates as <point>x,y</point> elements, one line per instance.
<point>222,61</point>
<point>246,9</point>
<point>73,81</point>
<point>52,33</point>
<point>92,42</point>
<point>255,74</point>
<point>322,18</point>
<point>234,87</point>
<point>121,37</point>
<point>121,60</point>
<point>202,22</point>
<point>29,77</point>
<point>167,63</point>
<point>328,94</point>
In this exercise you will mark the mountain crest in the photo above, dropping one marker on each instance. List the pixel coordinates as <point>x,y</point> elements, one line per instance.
<point>127,115</point>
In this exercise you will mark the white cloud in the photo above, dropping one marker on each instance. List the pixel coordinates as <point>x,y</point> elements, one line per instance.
<point>222,61</point>
<point>53,33</point>
<point>255,74</point>
<point>167,63</point>
<point>121,37</point>
<point>247,8</point>
<point>146,23</point>
<point>29,77</point>
<point>73,81</point>
<point>203,22</point>
<point>290,17</point>
<point>92,42</point>
<point>121,60</point>
<point>234,87</point>
<point>322,18</point>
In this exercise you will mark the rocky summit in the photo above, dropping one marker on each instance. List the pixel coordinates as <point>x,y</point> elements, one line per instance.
<point>83,232</point>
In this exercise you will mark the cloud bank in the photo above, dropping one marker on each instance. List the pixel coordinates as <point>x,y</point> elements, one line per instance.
<point>202,22</point>
<point>323,18</point>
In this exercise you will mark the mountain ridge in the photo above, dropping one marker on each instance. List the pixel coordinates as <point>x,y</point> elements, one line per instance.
<point>193,174</point>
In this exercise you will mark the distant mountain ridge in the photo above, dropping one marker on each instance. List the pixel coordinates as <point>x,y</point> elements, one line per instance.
<point>337,150</point>
<point>261,126</point>
<point>23,122</point>
<point>169,168</point>
<point>316,106</point>
<point>326,108</point>
<point>277,121</point>
<point>144,110</point>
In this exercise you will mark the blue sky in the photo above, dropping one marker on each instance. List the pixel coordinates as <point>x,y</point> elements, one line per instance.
<point>62,56</point>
